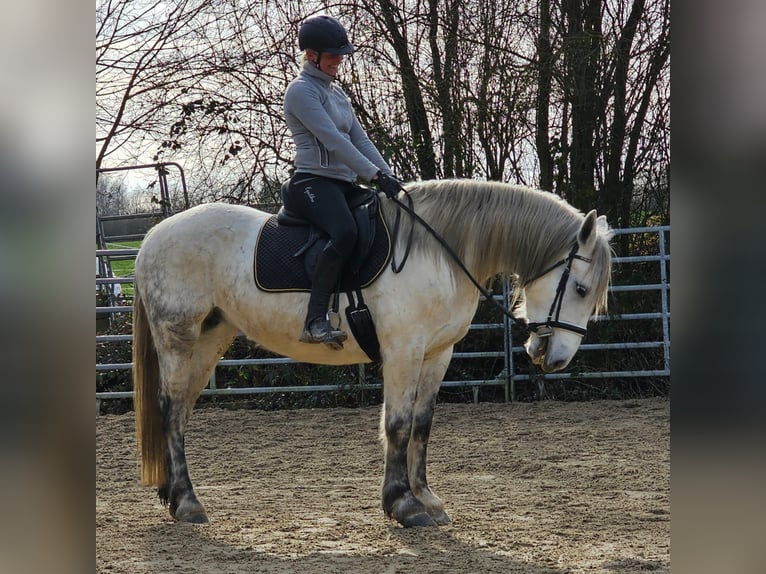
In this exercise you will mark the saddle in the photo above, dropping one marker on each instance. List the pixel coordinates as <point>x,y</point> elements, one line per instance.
<point>287,249</point>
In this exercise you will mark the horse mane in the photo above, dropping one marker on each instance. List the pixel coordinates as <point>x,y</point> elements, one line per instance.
<point>498,227</point>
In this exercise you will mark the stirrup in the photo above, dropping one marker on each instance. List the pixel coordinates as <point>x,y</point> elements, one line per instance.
<point>320,330</point>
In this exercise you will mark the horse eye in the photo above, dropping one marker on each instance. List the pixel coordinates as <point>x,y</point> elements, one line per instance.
<point>581,289</point>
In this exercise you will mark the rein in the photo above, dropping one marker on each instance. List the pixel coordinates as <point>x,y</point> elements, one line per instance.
<point>410,210</point>
<point>558,298</point>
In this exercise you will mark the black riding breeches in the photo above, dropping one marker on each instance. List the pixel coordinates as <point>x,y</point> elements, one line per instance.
<point>324,202</point>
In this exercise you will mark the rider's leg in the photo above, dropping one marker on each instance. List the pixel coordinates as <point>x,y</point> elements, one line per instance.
<point>317,328</point>
<point>323,202</point>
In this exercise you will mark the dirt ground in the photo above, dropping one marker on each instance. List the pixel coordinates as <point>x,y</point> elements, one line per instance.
<point>531,488</point>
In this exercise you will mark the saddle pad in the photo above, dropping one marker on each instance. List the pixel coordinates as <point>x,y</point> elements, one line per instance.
<point>277,270</point>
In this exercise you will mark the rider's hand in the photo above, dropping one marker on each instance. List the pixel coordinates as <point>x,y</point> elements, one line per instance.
<point>388,184</point>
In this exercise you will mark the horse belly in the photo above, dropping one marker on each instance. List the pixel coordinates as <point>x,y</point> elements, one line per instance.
<point>275,321</point>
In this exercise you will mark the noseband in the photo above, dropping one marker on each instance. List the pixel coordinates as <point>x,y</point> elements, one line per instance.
<point>555,310</point>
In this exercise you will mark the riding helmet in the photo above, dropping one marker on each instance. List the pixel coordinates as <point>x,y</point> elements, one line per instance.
<point>324,34</point>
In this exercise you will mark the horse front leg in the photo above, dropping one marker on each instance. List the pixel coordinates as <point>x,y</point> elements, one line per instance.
<point>399,502</point>
<point>431,376</point>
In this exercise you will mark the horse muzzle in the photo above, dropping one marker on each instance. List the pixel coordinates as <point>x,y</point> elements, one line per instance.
<point>548,351</point>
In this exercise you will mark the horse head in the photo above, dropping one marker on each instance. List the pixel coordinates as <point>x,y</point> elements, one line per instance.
<point>560,300</point>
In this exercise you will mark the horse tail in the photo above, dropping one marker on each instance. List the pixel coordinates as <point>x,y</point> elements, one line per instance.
<point>146,380</point>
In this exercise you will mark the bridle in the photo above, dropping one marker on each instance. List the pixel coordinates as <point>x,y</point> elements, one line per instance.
<point>545,329</point>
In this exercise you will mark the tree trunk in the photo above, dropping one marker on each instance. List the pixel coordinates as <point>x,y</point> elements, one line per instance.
<point>542,104</point>
<point>581,48</point>
<point>446,81</point>
<point>413,98</point>
<point>657,63</point>
<point>616,188</point>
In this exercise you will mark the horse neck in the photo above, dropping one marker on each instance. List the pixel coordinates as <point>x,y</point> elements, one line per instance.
<point>494,227</point>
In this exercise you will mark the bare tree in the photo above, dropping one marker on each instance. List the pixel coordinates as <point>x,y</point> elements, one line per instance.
<point>199,83</point>
<point>543,101</point>
<point>571,95</point>
<point>111,196</point>
<point>463,87</point>
<point>609,64</point>
<point>141,65</point>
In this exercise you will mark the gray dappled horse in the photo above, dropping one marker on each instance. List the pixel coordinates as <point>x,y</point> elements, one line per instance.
<point>195,291</point>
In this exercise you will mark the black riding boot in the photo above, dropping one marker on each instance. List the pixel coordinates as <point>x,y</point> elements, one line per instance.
<point>317,328</point>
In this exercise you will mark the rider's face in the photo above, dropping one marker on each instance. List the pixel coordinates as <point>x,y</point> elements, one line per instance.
<point>328,63</point>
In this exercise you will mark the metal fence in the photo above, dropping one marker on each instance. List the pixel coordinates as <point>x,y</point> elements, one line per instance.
<point>506,378</point>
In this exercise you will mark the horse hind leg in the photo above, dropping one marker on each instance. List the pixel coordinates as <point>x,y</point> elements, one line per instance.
<point>178,493</point>
<point>186,363</point>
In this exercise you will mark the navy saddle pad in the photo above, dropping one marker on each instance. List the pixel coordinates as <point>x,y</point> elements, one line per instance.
<point>278,270</point>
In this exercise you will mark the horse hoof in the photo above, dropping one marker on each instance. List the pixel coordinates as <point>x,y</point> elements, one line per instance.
<point>199,518</point>
<point>441,518</point>
<point>194,518</point>
<point>190,511</point>
<point>419,519</point>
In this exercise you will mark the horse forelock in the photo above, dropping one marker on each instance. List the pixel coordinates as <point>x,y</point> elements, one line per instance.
<point>602,269</point>
<point>501,228</point>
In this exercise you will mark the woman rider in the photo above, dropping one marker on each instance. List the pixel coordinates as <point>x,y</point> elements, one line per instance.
<point>332,150</point>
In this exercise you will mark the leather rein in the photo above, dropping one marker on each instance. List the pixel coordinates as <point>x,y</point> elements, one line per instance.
<point>544,329</point>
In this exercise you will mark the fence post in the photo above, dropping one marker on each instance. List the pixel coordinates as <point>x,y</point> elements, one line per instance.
<point>211,382</point>
<point>664,299</point>
<point>510,384</point>
<point>361,374</point>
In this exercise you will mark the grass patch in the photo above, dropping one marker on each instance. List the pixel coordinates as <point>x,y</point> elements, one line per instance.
<point>124,266</point>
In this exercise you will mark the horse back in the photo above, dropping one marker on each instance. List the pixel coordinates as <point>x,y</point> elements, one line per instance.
<point>198,255</point>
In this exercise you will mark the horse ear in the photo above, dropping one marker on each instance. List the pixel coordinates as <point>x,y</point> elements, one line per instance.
<point>587,235</point>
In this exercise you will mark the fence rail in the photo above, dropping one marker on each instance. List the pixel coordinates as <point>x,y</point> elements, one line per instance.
<point>508,376</point>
